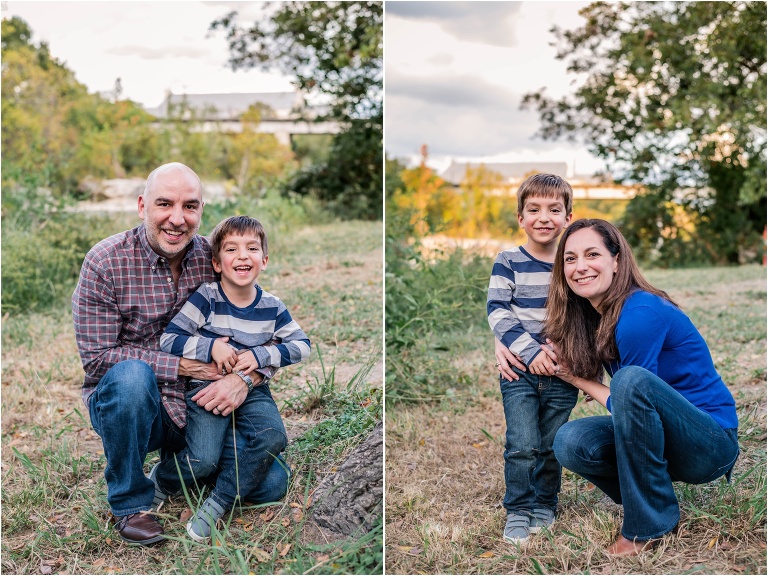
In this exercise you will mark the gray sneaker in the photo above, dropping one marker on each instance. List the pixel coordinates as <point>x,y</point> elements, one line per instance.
<point>160,497</point>
<point>517,528</point>
<point>541,518</point>
<point>199,526</point>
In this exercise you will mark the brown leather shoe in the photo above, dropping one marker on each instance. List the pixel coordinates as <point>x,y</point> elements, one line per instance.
<point>623,547</point>
<point>140,528</point>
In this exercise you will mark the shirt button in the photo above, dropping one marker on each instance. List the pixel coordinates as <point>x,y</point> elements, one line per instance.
<point>169,279</point>
<point>165,397</point>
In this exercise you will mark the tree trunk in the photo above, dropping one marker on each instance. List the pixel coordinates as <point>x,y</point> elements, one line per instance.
<point>351,499</point>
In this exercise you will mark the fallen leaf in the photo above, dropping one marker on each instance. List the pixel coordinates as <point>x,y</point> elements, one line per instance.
<point>297,515</point>
<point>285,522</point>
<point>712,542</point>
<point>487,554</point>
<point>248,527</point>
<point>479,444</point>
<point>739,568</point>
<point>267,515</point>
<point>185,515</point>
<point>46,569</point>
<point>285,550</point>
<point>404,548</point>
<point>323,558</point>
<point>108,541</point>
<point>415,551</point>
<point>99,563</point>
<point>260,555</point>
<point>294,505</point>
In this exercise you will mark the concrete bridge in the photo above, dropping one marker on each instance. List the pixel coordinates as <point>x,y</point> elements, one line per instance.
<point>284,113</point>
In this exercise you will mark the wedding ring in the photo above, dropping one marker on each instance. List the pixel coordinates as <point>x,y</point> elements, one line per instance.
<point>497,364</point>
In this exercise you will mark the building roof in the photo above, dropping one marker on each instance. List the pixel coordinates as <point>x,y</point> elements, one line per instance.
<point>231,106</point>
<point>510,171</point>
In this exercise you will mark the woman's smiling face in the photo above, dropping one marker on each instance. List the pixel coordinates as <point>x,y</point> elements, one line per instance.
<point>588,265</point>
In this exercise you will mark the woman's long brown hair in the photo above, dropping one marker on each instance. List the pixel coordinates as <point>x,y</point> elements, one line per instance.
<point>585,337</point>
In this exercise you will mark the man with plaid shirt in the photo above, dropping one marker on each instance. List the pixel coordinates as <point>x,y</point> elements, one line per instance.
<point>130,286</point>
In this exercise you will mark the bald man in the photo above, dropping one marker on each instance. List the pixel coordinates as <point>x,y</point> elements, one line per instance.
<point>131,284</point>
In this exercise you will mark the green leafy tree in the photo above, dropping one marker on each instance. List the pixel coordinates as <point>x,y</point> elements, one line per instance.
<point>334,50</point>
<point>673,96</point>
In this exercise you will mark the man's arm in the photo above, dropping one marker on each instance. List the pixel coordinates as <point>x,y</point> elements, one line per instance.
<point>98,323</point>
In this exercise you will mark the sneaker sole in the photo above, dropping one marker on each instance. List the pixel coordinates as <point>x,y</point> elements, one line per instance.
<point>515,540</point>
<point>194,535</point>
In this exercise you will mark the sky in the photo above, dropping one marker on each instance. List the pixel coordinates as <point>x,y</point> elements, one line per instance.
<point>151,46</point>
<point>456,72</point>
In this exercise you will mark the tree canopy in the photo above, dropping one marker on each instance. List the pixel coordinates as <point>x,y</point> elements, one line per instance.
<point>673,96</point>
<point>333,50</point>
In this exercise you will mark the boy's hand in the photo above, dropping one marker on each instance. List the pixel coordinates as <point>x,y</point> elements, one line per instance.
<point>543,365</point>
<point>246,361</point>
<point>505,359</point>
<point>223,355</point>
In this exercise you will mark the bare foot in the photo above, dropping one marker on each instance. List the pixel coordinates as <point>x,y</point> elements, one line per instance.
<point>624,547</point>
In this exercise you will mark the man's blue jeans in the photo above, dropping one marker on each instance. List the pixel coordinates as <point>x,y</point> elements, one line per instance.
<point>534,408</point>
<point>653,437</point>
<point>127,413</point>
<point>243,446</point>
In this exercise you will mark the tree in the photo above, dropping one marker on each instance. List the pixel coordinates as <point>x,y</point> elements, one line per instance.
<point>334,50</point>
<point>673,96</point>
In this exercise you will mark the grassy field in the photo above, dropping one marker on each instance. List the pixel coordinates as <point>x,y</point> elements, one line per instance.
<point>55,516</point>
<point>444,465</point>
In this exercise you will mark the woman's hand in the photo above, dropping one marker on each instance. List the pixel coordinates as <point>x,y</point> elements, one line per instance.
<point>562,371</point>
<point>505,360</point>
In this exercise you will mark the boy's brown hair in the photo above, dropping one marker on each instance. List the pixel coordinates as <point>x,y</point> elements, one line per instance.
<point>546,186</point>
<point>237,225</point>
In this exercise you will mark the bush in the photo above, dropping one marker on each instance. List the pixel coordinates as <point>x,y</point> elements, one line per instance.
<point>426,303</point>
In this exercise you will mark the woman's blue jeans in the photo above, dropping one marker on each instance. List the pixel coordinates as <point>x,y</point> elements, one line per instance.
<point>534,408</point>
<point>653,437</point>
<point>127,413</point>
<point>243,446</point>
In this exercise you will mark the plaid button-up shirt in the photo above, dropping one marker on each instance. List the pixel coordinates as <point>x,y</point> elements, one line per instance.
<point>124,300</point>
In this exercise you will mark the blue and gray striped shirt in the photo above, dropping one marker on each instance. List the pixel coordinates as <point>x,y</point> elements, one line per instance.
<point>209,315</point>
<point>517,295</point>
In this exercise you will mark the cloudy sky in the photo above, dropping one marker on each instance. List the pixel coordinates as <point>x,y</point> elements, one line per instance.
<point>151,46</point>
<point>455,74</point>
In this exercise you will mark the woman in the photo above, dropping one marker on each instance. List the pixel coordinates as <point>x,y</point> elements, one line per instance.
<point>672,417</point>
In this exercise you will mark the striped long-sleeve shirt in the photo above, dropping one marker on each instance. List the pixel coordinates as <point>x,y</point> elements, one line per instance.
<point>517,295</point>
<point>209,315</point>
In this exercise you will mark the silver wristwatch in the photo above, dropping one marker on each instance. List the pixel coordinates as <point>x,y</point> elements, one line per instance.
<point>246,378</point>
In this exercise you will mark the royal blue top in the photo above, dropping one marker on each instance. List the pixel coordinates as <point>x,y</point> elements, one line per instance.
<point>656,335</point>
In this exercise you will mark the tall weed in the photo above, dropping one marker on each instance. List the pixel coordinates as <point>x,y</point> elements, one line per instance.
<point>425,301</point>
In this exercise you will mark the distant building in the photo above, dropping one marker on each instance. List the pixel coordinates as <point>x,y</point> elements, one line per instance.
<point>514,173</point>
<point>284,113</point>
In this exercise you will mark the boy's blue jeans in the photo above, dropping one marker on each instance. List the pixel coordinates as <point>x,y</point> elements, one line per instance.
<point>534,408</point>
<point>244,449</point>
<point>653,437</point>
<point>127,413</point>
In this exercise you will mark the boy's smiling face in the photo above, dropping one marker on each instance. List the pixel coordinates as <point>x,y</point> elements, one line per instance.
<point>240,260</point>
<point>543,219</point>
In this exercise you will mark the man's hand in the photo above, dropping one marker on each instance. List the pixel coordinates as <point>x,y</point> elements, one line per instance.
<point>505,359</point>
<point>199,370</point>
<point>223,396</point>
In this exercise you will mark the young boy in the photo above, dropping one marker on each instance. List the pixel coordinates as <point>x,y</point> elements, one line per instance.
<point>537,404</point>
<point>235,324</point>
